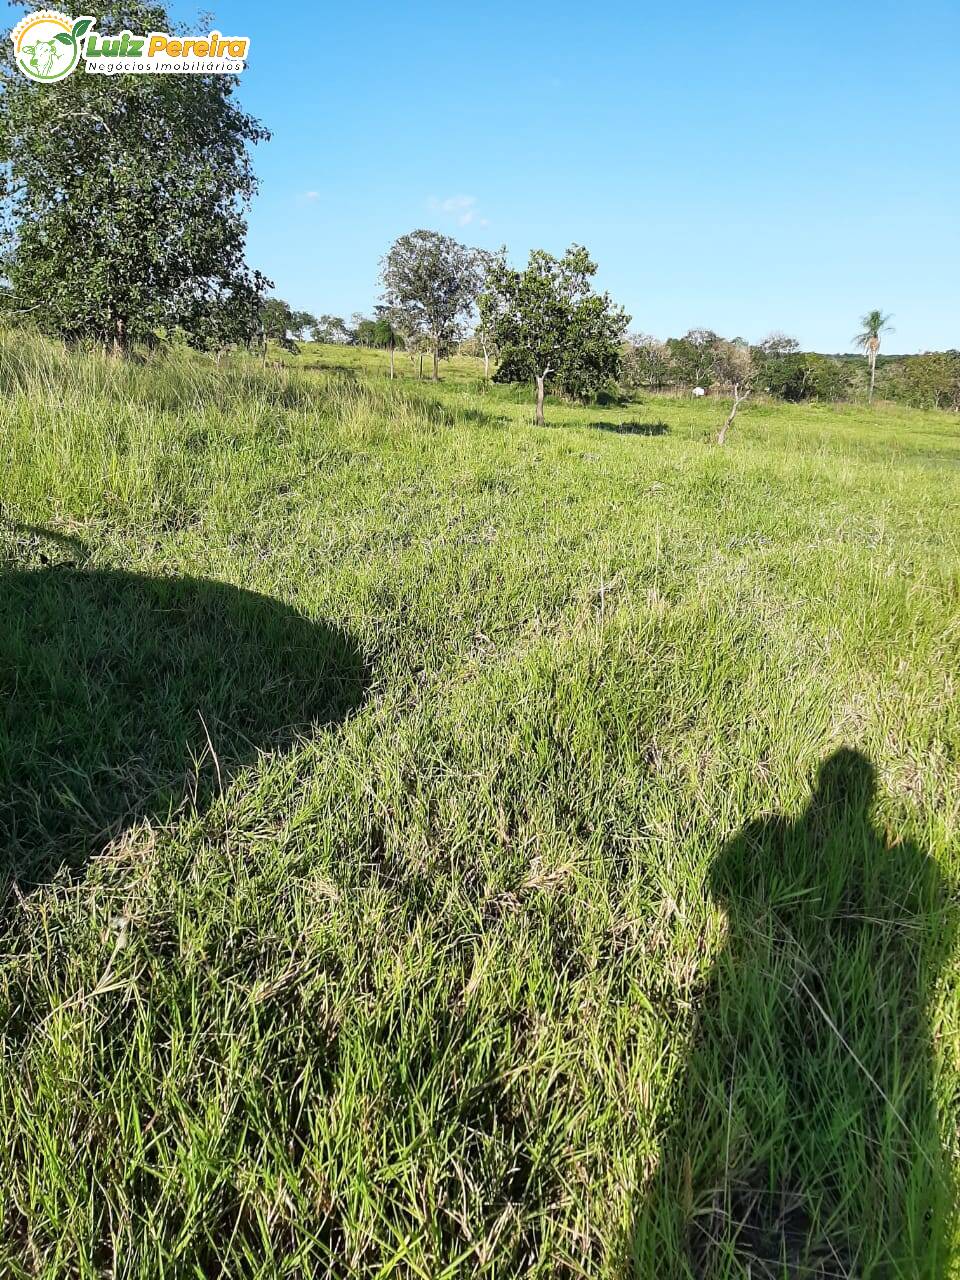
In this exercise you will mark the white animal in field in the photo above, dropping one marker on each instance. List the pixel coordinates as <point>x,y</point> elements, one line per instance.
<point>698,392</point>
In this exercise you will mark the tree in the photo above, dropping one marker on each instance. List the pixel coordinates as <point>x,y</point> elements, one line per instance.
<point>931,380</point>
<point>364,332</point>
<point>733,365</point>
<point>277,319</point>
<point>646,363</point>
<point>804,376</point>
<point>691,357</point>
<point>777,343</point>
<point>332,329</point>
<point>300,322</point>
<point>378,332</point>
<point>488,345</point>
<point>227,318</point>
<point>389,331</point>
<point>405,326</point>
<point>548,323</point>
<point>434,281</point>
<point>374,332</point>
<point>484,336</point>
<point>480,346</point>
<point>868,340</point>
<point>124,197</point>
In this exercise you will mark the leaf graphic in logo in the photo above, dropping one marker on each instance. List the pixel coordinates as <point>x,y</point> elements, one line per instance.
<point>63,37</point>
<point>81,27</point>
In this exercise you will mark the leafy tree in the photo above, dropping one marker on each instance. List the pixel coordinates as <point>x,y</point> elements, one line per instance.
<point>124,197</point>
<point>549,324</point>
<point>645,363</point>
<point>691,357</point>
<point>374,331</point>
<point>868,340</point>
<point>778,344</point>
<point>434,281</point>
<point>278,322</point>
<point>827,379</point>
<point>804,376</point>
<point>332,329</point>
<point>382,335</point>
<point>227,318</point>
<point>379,333</point>
<point>364,332</point>
<point>931,380</point>
<point>389,331</point>
<point>300,322</point>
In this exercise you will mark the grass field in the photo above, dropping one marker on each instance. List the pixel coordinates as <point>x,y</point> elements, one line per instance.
<point>439,847</point>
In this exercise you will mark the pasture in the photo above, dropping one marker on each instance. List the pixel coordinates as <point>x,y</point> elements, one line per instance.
<point>437,847</point>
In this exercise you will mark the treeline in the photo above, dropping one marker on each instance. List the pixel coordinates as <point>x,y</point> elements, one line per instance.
<point>124,235</point>
<point>780,368</point>
<point>285,325</point>
<point>698,359</point>
<point>928,381</point>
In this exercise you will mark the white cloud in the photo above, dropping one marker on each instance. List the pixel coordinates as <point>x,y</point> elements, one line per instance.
<point>311,195</point>
<point>463,209</point>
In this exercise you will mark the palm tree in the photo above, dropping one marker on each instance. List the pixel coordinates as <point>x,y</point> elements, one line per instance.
<point>874,323</point>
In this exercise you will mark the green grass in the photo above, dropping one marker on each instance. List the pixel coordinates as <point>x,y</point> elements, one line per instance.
<point>498,917</point>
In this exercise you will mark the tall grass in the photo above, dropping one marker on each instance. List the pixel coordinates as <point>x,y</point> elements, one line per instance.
<point>520,963</point>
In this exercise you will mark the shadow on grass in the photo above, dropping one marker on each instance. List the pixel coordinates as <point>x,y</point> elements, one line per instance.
<point>350,372</point>
<point>633,428</point>
<point>123,696</point>
<point>805,1139</point>
<point>437,413</point>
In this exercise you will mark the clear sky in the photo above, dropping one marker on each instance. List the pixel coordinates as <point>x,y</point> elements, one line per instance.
<point>741,166</point>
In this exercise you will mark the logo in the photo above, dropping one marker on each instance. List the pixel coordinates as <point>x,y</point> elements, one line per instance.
<point>48,46</point>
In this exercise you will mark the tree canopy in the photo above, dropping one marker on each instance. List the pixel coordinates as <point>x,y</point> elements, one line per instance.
<point>433,281</point>
<point>124,197</point>
<point>874,323</point>
<point>549,324</point>
<point>376,331</point>
<point>778,343</point>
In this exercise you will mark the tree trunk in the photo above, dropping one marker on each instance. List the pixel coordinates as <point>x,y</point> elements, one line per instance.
<point>420,375</point>
<point>119,343</point>
<point>873,374</point>
<point>392,349</point>
<point>436,363</point>
<point>538,416</point>
<point>486,363</point>
<point>738,400</point>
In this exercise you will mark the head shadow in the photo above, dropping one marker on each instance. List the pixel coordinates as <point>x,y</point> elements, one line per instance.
<point>805,1140</point>
<point>125,696</point>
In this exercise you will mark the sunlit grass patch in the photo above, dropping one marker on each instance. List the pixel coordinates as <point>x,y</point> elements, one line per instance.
<point>519,962</point>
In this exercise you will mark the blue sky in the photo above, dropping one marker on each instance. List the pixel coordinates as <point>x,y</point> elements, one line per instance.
<point>741,166</point>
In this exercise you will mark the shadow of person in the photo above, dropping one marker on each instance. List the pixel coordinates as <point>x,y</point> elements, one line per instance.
<point>805,1138</point>
<point>123,696</point>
